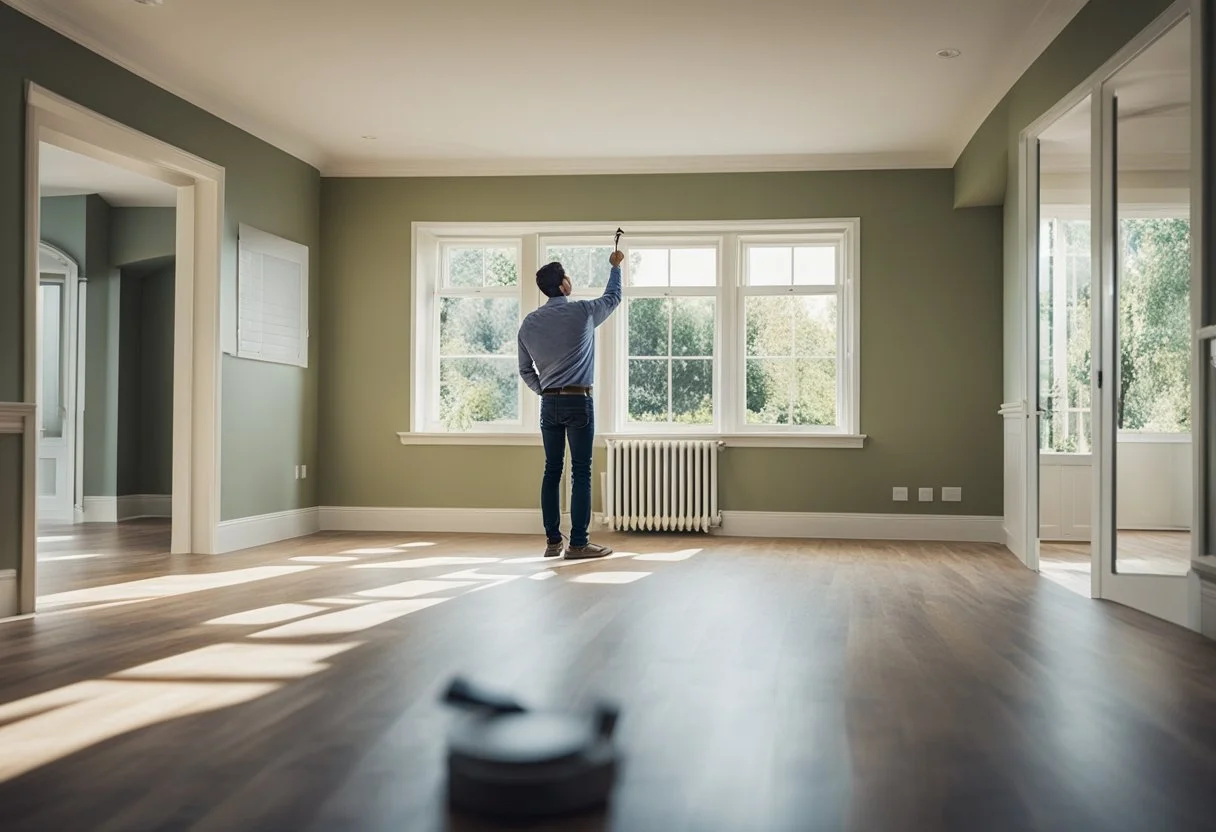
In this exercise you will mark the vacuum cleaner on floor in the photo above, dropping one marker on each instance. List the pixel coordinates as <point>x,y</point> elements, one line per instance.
<point>505,761</point>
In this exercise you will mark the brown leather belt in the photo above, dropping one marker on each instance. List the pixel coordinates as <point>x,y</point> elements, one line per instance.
<point>566,391</point>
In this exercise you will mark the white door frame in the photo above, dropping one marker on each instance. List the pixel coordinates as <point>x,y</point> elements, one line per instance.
<point>54,261</point>
<point>196,345</point>
<point>1172,598</point>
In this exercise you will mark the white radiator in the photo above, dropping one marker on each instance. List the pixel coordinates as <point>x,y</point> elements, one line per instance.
<point>662,485</point>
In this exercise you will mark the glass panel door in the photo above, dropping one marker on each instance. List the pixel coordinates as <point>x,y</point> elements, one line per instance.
<point>1147,326</point>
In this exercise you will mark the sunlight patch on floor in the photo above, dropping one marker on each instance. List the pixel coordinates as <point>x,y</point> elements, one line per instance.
<point>235,662</point>
<point>322,559</point>
<point>668,557</point>
<point>276,614</point>
<point>166,586</point>
<point>423,563</point>
<point>609,577</point>
<point>412,589</point>
<point>350,620</point>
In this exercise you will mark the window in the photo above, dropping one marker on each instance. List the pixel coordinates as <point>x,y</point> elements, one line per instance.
<point>272,298</point>
<point>671,324</point>
<point>479,316</point>
<point>791,302</point>
<point>1154,327</point>
<point>747,331</point>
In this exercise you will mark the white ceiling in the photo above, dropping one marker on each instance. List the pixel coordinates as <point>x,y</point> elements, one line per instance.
<point>63,173</point>
<point>533,86</point>
<point>1154,108</point>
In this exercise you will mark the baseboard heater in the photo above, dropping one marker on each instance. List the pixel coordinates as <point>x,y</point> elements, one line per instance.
<point>662,485</point>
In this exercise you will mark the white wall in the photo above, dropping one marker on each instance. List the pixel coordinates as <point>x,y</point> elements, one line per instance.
<point>1153,489</point>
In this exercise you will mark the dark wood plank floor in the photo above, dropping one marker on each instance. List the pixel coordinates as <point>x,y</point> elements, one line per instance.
<point>764,685</point>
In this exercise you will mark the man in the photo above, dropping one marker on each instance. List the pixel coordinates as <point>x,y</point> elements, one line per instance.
<point>557,361</point>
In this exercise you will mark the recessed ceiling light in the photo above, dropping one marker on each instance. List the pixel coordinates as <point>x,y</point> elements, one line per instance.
<point>150,2</point>
<point>370,138</point>
<point>948,53</point>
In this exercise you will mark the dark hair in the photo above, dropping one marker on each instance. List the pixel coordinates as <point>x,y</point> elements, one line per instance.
<point>549,279</point>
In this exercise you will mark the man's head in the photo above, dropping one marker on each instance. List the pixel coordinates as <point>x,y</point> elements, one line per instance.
<point>552,280</point>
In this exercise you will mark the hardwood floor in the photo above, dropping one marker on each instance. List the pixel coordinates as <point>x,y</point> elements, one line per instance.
<point>764,685</point>
<point>1139,553</point>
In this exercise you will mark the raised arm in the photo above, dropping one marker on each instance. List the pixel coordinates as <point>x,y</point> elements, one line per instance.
<point>606,304</point>
<point>527,368</point>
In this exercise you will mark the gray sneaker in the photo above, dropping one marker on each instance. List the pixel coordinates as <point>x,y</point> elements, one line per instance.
<point>591,550</point>
<point>554,550</point>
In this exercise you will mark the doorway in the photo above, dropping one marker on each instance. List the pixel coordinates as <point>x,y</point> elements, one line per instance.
<point>198,200</point>
<point>1114,279</point>
<point>107,254</point>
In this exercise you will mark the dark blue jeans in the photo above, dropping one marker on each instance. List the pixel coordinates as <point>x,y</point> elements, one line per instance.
<point>562,419</point>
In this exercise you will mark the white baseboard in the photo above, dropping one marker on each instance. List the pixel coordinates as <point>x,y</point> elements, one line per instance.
<point>472,520</point>
<point>133,506</point>
<point>101,509</point>
<point>862,526</point>
<point>734,523</point>
<point>248,532</point>
<point>8,593</point>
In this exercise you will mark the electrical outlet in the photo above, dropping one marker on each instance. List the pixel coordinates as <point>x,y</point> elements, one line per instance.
<point>899,495</point>
<point>952,495</point>
<point>303,472</point>
<point>297,472</point>
<point>926,495</point>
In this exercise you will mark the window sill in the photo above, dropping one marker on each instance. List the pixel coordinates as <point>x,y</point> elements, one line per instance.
<point>740,440</point>
<point>471,438</point>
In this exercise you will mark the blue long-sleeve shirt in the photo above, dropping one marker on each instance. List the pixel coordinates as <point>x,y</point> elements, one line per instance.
<point>557,341</point>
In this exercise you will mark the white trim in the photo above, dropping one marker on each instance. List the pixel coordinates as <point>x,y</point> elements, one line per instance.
<point>862,526</point>
<point>136,506</point>
<point>13,416</point>
<point>55,17</point>
<point>470,520</point>
<point>99,510</point>
<point>420,168</point>
<point>253,241</point>
<point>1012,410</point>
<point>749,440</point>
<point>734,523</point>
<point>9,606</point>
<point>200,206</point>
<point>262,529</point>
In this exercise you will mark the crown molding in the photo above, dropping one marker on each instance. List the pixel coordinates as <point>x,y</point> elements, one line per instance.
<point>420,168</point>
<point>65,24</point>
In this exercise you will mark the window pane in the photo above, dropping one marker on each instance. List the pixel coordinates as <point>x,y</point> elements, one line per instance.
<point>52,359</point>
<point>770,326</point>
<point>1154,325</point>
<point>648,326</point>
<point>478,326</point>
<point>477,390</point>
<point>814,326</point>
<point>770,384</point>
<point>815,397</point>
<point>464,267</point>
<point>587,266</point>
<point>815,265</point>
<point>770,265</point>
<point>648,267</point>
<point>479,266</point>
<point>694,267</point>
<point>648,389</point>
<point>692,326</point>
<point>692,391</point>
<point>500,267</point>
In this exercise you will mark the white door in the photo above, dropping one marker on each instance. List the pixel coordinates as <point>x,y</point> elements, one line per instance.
<point>1145,322</point>
<point>57,386</point>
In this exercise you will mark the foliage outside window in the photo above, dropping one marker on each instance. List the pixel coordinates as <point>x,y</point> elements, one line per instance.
<point>1154,330</point>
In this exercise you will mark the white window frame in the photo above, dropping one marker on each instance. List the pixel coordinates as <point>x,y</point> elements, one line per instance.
<point>730,237</point>
<point>1133,210</point>
<point>260,242</point>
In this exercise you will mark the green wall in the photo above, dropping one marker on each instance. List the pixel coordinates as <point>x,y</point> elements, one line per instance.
<point>139,234</point>
<point>145,439</point>
<point>987,172</point>
<point>264,187</point>
<point>930,330</point>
